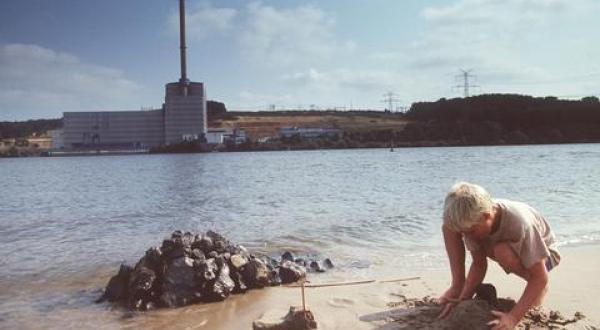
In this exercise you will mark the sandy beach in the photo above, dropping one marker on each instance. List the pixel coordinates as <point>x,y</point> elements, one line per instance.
<point>573,288</point>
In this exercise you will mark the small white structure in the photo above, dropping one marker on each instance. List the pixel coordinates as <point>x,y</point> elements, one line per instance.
<point>309,132</point>
<point>222,135</point>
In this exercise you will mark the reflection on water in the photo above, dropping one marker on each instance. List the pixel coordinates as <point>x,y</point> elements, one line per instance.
<point>66,223</point>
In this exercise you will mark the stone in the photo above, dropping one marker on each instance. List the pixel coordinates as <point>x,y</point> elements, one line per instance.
<point>487,292</point>
<point>315,266</point>
<point>116,289</point>
<point>153,259</point>
<point>238,280</point>
<point>205,244</point>
<point>198,254</point>
<point>140,287</point>
<point>237,261</point>
<point>290,272</point>
<point>255,273</point>
<point>189,268</point>
<point>328,263</point>
<point>213,254</point>
<point>287,255</point>
<point>274,279</point>
<point>180,285</point>
<point>222,287</point>
<point>207,270</point>
<point>295,319</point>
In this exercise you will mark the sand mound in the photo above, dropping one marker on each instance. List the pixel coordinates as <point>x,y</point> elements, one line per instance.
<point>471,314</point>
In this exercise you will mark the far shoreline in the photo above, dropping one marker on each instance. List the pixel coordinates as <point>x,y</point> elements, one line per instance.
<point>400,146</point>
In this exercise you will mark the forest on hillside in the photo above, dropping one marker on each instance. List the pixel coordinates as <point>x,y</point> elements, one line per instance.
<point>504,118</point>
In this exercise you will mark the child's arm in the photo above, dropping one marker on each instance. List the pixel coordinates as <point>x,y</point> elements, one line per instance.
<point>476,273</point>
<point>456,255</point>
<point>537,281</point>
<point>474,278</point>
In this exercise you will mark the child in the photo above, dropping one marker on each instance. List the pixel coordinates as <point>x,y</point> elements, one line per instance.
<point>511,233</point>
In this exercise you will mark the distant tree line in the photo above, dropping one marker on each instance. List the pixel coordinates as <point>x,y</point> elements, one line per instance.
<point>504,118</point>
<point>21,129</point>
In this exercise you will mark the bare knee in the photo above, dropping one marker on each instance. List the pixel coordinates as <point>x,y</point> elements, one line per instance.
<point>508,259</point>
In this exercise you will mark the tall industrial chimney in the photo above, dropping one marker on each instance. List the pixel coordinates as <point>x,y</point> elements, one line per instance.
<point>183,80</point>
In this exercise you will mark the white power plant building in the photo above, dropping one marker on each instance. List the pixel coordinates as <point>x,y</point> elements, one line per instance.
<point>182,117</point>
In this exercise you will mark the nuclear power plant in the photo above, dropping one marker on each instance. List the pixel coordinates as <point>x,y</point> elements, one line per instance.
<point>182,117</point>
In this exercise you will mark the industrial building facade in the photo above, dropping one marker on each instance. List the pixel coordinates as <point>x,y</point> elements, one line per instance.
<point>182,117</point>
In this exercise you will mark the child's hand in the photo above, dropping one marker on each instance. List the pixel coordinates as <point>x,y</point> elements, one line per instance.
<point>450,295</point>
<point>504,321</point>
<point>448,306</point>
<point>449,300</point>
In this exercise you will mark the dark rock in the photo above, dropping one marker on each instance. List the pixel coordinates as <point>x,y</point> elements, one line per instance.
<point>255,273</point>
<point>198,254</point>
<point>222,286</point>
<point>187,240</point>
<point>270,262</point>
<point>153,258</point>
<point>327,263</point>
<point>274,279</point>
<point>290,272</point>
<point>205,244</point>
<point>207,271</point>
<point>140,287</point>
<point>190,268</point>
<point>487,292</point>
<point>180,284</point>
<point>212,254</point>
<point>216,237</point>
<point>315,266</point>
<point>238,280</point>
<point>287,255</point>
<point>219,242</point>
<point>116,289</point>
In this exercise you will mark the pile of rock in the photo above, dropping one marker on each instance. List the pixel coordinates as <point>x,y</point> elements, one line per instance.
<point>206,267</point>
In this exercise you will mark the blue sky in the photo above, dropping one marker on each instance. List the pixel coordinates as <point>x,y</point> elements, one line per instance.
<point>85,55</point>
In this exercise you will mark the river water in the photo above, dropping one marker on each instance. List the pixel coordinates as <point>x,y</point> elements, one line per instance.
<point>67,223</point>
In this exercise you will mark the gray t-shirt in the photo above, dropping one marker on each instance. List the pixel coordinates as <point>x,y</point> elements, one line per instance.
<point>525,230</point>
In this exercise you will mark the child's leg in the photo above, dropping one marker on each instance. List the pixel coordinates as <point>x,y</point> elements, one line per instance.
<point>504,255</point>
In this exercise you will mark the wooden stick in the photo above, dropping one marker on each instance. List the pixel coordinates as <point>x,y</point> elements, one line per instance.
<point>351,283</point>
<point>303,300</point>
<point>331,284</point>
<point>401,279</point>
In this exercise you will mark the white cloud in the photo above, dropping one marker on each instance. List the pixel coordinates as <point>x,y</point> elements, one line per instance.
<point>507,41</point>
<point>204,20</point>
<point>344,79</point>
<point>290,35</point>
<point>40,82</point>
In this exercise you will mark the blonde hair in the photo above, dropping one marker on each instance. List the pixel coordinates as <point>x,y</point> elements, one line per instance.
<point>464,204</point>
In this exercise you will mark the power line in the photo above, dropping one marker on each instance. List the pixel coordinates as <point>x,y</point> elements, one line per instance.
<point>390,98</point>
<point>466,85</point>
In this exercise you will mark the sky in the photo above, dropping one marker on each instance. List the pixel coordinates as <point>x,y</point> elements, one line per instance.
<point>87,55</point>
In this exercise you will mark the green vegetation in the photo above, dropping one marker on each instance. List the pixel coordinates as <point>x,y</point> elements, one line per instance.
<point>504,119</point>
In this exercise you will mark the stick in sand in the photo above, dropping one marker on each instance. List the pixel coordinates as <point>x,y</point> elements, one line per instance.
<point>351,283</point>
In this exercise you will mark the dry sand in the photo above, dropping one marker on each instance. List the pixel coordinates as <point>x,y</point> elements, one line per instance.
<point>574,287</point>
